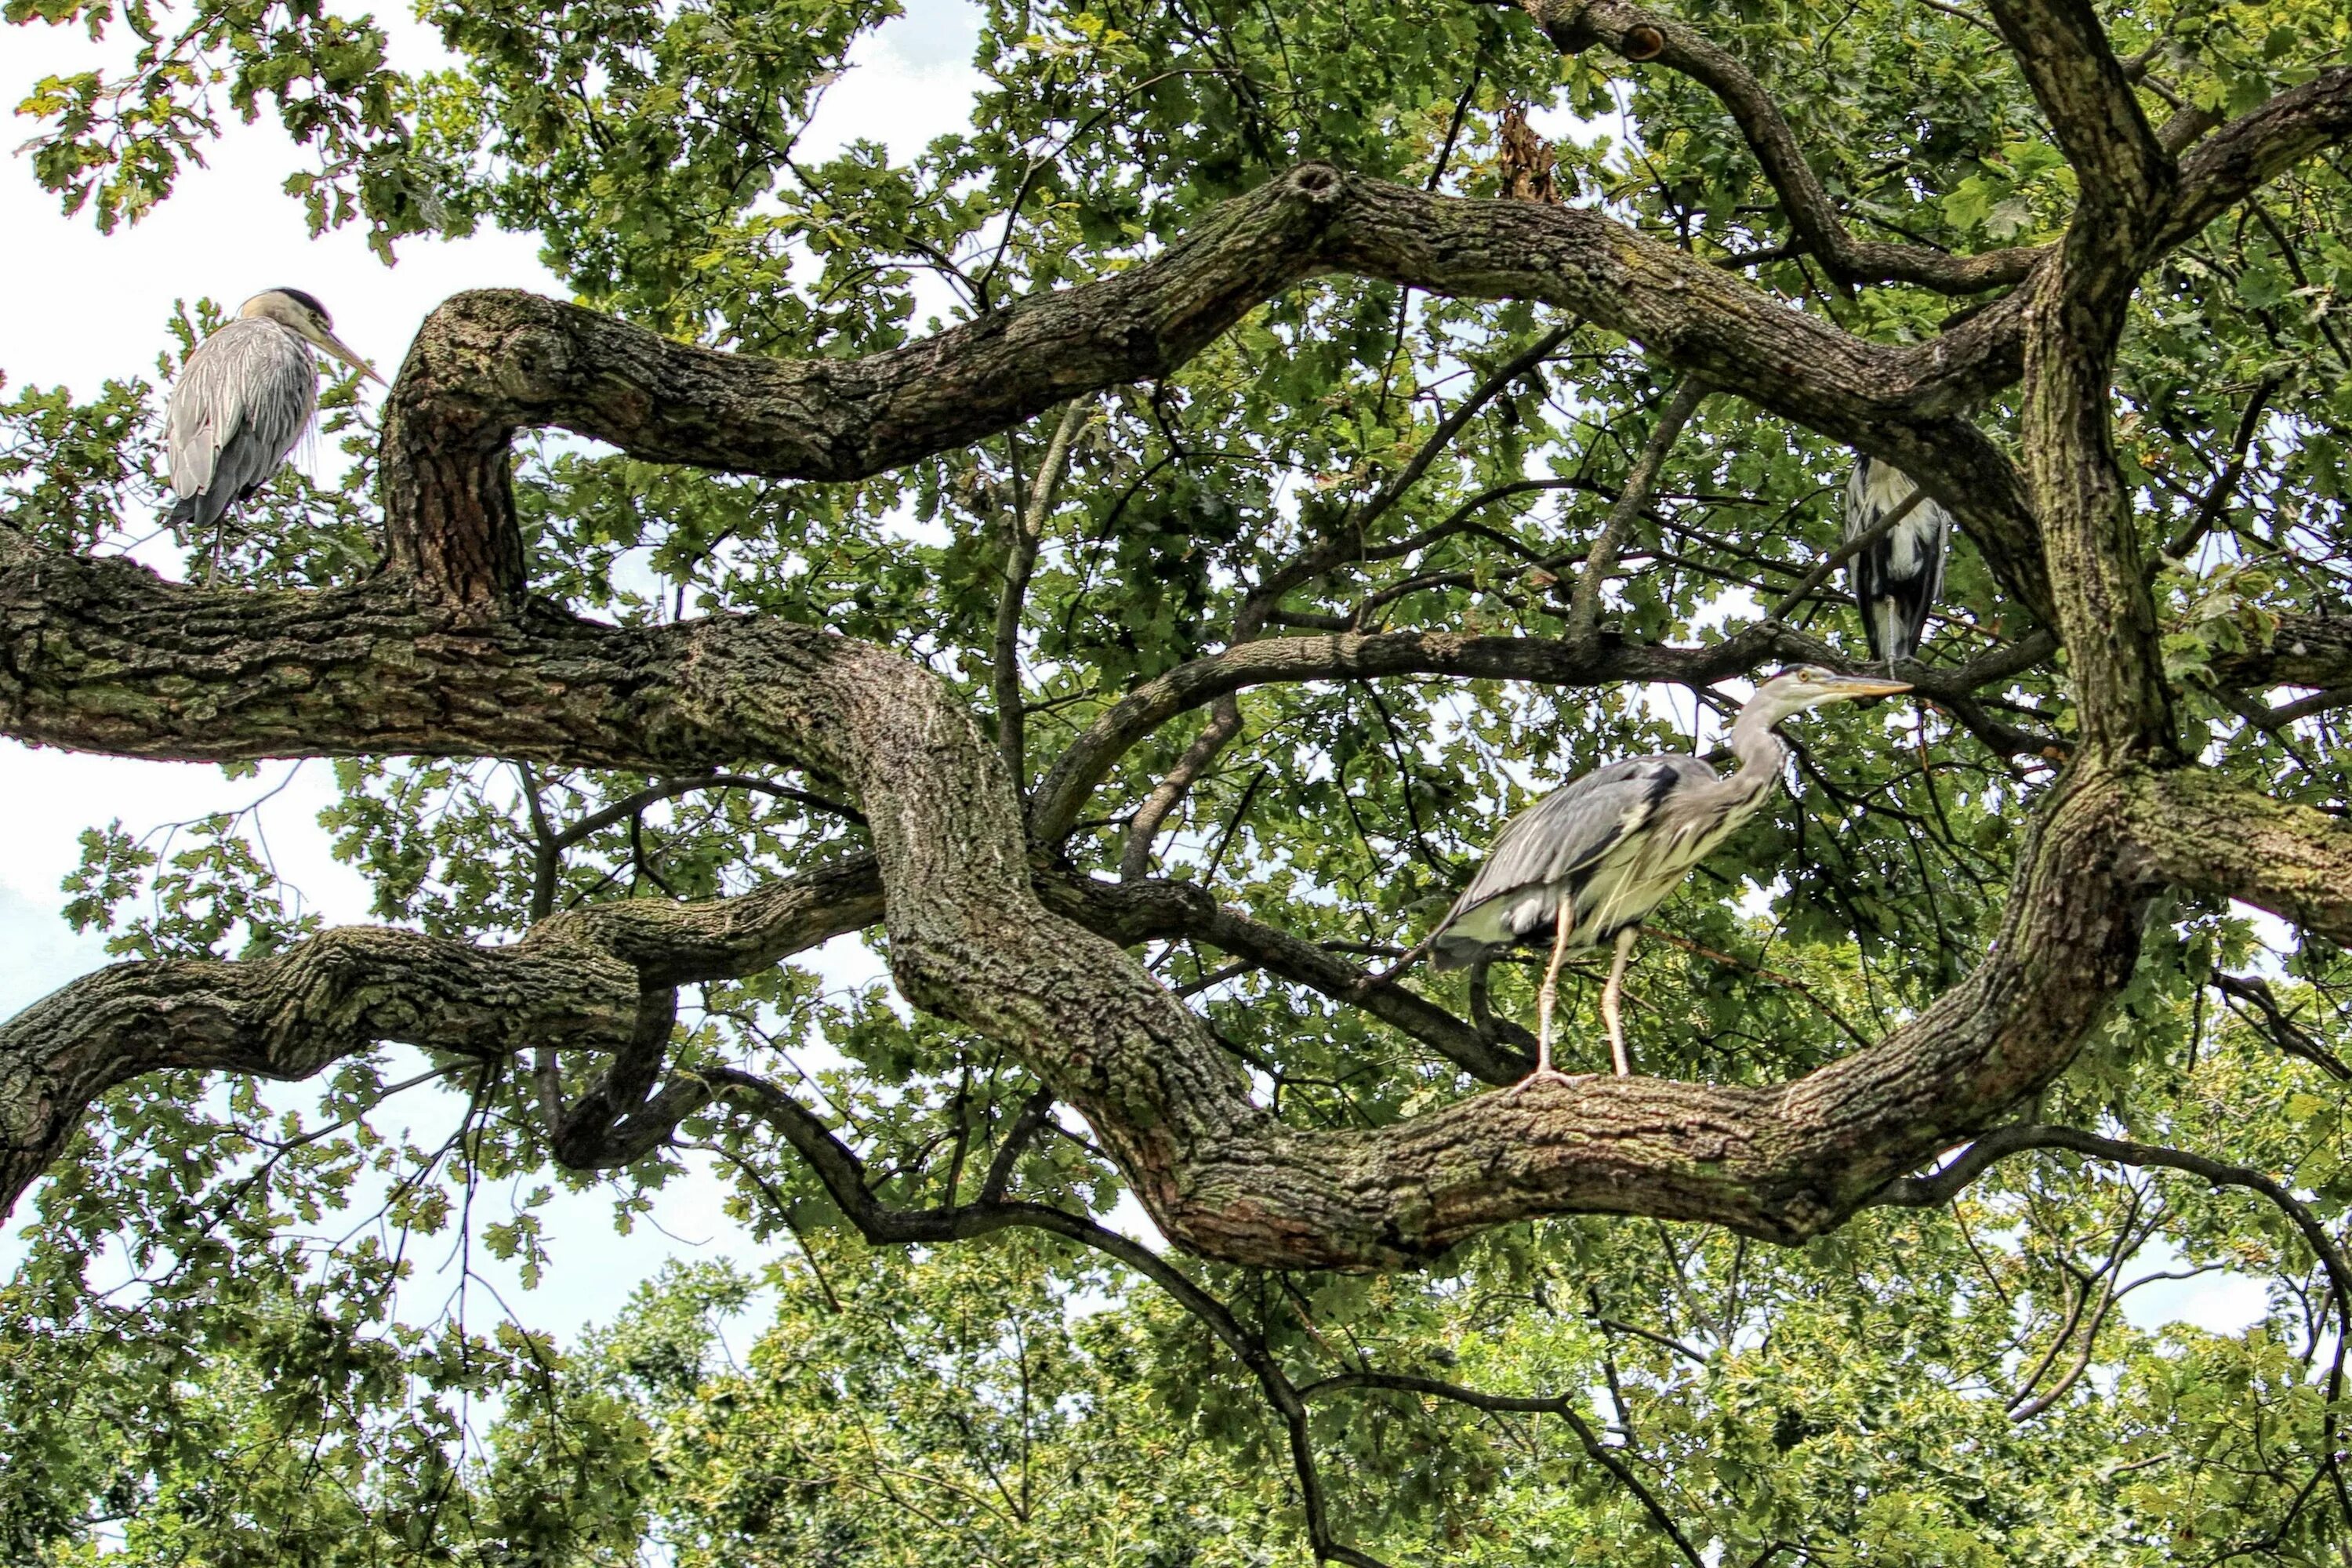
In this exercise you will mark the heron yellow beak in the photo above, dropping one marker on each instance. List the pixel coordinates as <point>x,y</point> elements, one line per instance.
<point>345,353</point>
<point>1863,685</point>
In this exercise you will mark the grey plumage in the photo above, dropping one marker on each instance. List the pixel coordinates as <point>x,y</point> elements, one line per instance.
<point>243,401</point>
<point>1600,841</point>
<point>1896,579</point>
<point>1586,864</point>
<point>239,407</point>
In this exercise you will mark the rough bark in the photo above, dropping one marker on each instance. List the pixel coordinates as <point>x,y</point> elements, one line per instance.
<point>2219,837</point>
<point>970,941</point>
<point>488,363</point>
<point>445,656</point>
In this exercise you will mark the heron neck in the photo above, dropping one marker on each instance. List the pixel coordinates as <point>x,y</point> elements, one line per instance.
<point>1761,752</point>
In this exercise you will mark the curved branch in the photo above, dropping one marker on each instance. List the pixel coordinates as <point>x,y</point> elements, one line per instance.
<point>488,363</point>
<point>1363,656</point>
<point>597,979</point>
<point>970,941</point>
<point>2257,147</point>
<point>1360,656</point>
<point>1653,38</point>
<point>289,1018</point>
<point>101,656</point>
<point>1143,828</point>
<point>2074,324</point>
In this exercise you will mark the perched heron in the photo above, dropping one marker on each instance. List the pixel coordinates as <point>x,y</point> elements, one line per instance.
<point>1895,579</point>
<point>244,399</point>
<point>1587,863</point>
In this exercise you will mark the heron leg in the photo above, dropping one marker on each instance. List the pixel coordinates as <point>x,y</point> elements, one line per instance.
<point>1550,995</point>
<point>1481,1012</point>
<point>1609,995</point>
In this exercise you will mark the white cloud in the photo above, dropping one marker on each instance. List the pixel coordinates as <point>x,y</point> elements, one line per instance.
<point>37,953</point>
<point>227,232</point>
<point>907,83</point>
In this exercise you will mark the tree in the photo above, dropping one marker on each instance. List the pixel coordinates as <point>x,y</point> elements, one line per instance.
<point>1284,489</point>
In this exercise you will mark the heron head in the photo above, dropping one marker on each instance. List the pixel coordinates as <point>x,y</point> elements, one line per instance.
<point>1809,686</point>
<point>302,314</point>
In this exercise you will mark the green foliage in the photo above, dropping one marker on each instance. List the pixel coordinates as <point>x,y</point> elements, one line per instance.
<point>122,139</point>
<point>222,1347</point>
<point>976,1406</point>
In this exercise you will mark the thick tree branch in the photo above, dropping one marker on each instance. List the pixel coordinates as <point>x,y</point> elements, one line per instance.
<point>2123,172</point>
<point>103,658</point>
<point>2073,322</point>
<point>487,364</point>
<point>1360,656</point>
<point>2204,832</point>
<point>2106,613</point>
<point>2302,650</point>
<point>970,943</point>
<point>289,1018</point>
<point>2246,155</point>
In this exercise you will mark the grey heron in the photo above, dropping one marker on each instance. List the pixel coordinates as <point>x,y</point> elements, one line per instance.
<point>1588,862</point>
<point>1895,579</point>
<point>243,400</point>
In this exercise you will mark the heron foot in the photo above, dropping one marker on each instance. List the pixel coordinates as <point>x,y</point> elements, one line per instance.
<point>1542,1075</point>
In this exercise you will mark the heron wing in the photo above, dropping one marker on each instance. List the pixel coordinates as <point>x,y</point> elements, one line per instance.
<point>1559,840</point>
<point>240,404</point>
<point>1895,580</point>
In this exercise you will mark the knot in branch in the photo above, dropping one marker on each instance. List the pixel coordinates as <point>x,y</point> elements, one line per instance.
<point>1568,24</point>
<point>534,363</point>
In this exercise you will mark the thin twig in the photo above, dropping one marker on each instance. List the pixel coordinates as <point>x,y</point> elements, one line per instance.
<point>1584,602</point>
<point>1027,528</point>
<point>1842,553</point>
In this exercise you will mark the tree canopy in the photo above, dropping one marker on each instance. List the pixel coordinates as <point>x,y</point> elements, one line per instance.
<point>1123,564</point>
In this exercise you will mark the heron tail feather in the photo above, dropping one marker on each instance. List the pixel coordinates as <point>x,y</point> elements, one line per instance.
<point>1450,953</point>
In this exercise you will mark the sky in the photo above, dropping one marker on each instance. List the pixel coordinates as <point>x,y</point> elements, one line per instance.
<point>228,232</point>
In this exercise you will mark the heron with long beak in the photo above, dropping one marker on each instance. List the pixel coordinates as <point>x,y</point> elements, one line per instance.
<point>244,399</point>
<point>1586,864</point>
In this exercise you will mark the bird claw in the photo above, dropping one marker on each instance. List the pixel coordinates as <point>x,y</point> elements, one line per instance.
<point>1540,1075</point>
